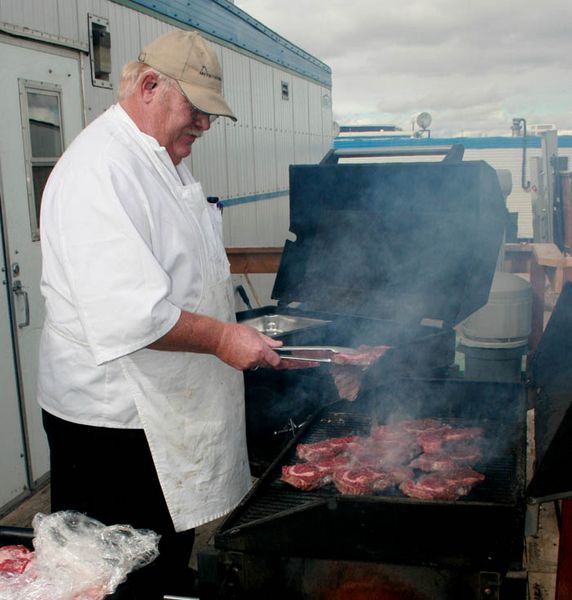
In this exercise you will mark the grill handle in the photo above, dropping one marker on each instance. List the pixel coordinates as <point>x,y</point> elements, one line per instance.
<point>452,153</point>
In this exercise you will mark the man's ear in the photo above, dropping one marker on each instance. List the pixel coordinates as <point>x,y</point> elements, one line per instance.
<point>148,87</point>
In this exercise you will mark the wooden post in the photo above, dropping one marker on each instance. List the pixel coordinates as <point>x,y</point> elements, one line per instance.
<point>564,571</point>
<point>254,260</point>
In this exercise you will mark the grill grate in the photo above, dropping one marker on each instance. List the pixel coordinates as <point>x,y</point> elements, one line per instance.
<point>499,465</point>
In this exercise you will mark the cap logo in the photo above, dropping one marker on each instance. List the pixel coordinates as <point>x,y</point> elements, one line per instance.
<point>204,71</point>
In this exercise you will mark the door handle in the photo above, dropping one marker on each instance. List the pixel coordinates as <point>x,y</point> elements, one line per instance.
<point>21,292</point>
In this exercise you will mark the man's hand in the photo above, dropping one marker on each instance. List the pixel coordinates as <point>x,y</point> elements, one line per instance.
<point>243,347</point>
<point>239,346</point>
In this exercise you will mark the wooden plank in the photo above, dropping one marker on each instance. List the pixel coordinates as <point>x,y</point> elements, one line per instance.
<point>517,257</point>
<point>549,255</point>
<point>254,260</point>
<point>23,514</point>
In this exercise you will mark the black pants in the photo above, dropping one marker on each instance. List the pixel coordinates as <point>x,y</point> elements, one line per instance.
<point>109,475</point>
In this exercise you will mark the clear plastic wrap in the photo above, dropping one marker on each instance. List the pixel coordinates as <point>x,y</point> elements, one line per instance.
<point>78,558</point>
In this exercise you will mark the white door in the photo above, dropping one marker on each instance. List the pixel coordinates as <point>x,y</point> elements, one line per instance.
<point>40,113</point>
<point>13,473</point>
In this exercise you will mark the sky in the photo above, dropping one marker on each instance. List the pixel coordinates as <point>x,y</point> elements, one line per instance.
<point>474,65</point>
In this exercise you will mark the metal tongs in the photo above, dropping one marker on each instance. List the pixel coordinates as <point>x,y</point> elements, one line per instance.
<point>319,354</point>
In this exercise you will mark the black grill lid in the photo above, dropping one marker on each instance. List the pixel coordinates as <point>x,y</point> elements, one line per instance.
<point>552,375</point>
<point>394,241</point>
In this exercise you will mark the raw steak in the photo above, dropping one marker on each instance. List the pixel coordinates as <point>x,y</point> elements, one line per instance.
<point>363,356</point>
<point>304,476</point>
<point>327,466</point>
<point>14,559</point>
<point>422,425</point>
<point>325,448</point>
<point>433,462</point>
<point>468,454</point>
<point>316,451</point>
<point>358,481</point>
<point>464,476</point>
<point>433,487</point>
<point>464,434</point>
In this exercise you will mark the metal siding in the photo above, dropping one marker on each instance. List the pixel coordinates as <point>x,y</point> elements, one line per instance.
<point>242,225</point>
<point>262,83</point>
<point>68,19</point>
<point>319,146</point>
<point>518,200</point>
<point>315,110</point>
<point>237,88</point>
<point>82,8</point>
<point>300,117</point>
<point>230,24</point>
<point>265,168</point>
<point>327,120</point>
<point>98,99</point>
<point>300,100</point>
<point>273,220</point>
<point>264,141</point>
<point>208,161</point>
<point>284,157</point>
<point>239,156</point>
<point>232,160</point>
<point>301,148</point>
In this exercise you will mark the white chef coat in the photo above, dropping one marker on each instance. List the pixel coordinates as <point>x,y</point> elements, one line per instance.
<point>128,240</point>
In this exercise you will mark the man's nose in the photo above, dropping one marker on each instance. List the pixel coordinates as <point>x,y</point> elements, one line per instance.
<point>203,121</point>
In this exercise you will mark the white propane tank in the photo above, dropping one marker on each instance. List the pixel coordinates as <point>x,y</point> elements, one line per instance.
<point>505,320</point>
<point>494,337</point>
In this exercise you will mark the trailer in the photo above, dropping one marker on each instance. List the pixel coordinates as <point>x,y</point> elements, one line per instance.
<point>60,64</point>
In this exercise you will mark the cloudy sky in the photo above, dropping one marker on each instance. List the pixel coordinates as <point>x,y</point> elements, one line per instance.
<point>472,64</point>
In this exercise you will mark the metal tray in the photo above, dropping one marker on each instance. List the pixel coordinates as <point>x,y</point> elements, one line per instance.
<point>275,324</point>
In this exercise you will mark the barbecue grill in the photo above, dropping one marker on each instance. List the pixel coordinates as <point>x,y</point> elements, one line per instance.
<point>321,544</point>
<point>384,254</point>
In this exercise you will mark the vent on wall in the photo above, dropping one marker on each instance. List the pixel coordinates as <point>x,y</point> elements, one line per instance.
<point>100,51</point>
<point>285,91</point>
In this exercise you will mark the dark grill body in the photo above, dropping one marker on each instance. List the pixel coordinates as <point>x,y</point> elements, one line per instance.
<point>380,251</point>
<point>483,528</point>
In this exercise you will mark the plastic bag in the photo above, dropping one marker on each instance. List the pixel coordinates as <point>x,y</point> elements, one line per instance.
<point>78,558</point>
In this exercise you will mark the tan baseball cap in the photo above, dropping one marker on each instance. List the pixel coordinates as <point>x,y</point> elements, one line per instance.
<point>190,59</point>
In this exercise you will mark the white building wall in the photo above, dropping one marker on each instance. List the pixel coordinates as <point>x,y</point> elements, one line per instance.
<point>233,160</point>
<point>519,200</point>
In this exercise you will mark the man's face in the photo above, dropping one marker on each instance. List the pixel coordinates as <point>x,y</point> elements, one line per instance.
<point>179,124</point>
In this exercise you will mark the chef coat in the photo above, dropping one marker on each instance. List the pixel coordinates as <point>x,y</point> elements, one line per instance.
<point>128,240</point>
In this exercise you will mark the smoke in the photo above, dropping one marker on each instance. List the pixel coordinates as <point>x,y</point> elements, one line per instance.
<point>379,249</point>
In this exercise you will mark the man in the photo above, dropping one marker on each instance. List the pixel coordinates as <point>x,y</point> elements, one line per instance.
<point>140,359</point>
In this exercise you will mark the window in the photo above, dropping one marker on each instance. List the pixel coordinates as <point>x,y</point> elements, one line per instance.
<point>99,51</point>
<point>40,106</point>
<point>285,91</point>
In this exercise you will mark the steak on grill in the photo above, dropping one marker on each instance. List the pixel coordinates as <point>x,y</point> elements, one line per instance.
<point>418,426</point>
<point>361,465</point>
<point>434,462</point>
<point>305,476</point>
<point>360,481</point>
<point>434,487</point>
<point>328,465</point>
<point>464,476</point>
<point>463,453</point>
<point>325,448</point>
